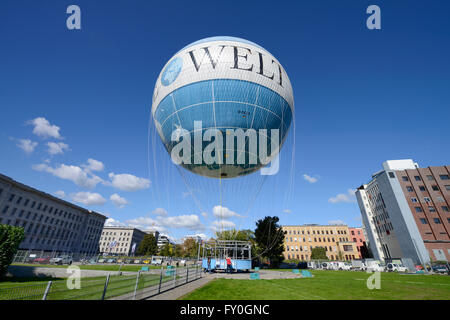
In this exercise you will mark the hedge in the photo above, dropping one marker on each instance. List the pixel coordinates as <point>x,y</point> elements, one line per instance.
<point>10,239</point>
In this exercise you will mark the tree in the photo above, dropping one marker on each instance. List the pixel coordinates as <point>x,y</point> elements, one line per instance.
<point>319,253</point>
<point>233,234</point>
<point>190,248</point>
<point>269,238</point>
<point>148,246</point>
<point>10,239</point>
<point>166,250</point>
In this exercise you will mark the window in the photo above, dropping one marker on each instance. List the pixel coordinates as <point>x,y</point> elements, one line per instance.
<point>405,178</point>
<point>5,209</point>
<point>430,178</point>
<point>413,199</point>
<point>418,209</point>
<point>391,175</point>
<point>432,209</point>
<point>444,177</point>
<point>445,208</point>
<point>427,199</point>
<point>447,187</point>
<point>421,188</point>
<point>417,178</point>
<point>437,220</point>
<point>409,189</point>
<point>11,197</point>
<point>435,188</point>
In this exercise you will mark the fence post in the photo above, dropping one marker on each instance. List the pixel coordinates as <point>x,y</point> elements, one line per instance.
<point>106,286</point>
<point>49,284</point>
<point>136,286</point>
<point>175,277</point>
<point>160,280</point>
<point>187,274</point>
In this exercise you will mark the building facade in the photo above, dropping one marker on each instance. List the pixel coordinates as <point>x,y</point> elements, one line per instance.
<point>357,236</point>
<point>51,224</point>
<point>405,210</point>
<point>120,240</point>
<point>300,240</point>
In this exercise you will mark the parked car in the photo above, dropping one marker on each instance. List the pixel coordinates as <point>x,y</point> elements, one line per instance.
<point>343,265</point>
<point>374,266</point>
<point>394,267</point>
<point>440,268</point>
<point>43,260</point>
<point>358,265</point>
<point>61,260</point>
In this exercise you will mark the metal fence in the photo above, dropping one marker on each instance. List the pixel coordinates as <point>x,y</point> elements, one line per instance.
<point>141,285</point>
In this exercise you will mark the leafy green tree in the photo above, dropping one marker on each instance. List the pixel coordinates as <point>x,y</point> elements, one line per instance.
<point>148,246</point>
<point>166,250</point>
<point>269,238</point>
<point>233,234</point>
<point>190,248</point>
<point>319,253</point>
<point>10,239</point>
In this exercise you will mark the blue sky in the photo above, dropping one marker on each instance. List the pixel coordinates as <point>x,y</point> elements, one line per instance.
<point>361,97</point>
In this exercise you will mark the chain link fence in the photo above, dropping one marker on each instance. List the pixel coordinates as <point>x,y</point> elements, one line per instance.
<point>141,285</point>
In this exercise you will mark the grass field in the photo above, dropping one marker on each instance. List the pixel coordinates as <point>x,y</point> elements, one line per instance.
<point>327,285</point>
<point>106,267</point>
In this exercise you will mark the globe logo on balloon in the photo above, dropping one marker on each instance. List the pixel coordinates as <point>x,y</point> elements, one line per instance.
<point>230,110</point>
<point>172,71</point>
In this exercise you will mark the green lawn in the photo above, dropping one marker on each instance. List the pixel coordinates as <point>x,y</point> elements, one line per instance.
<point>338,285</point>
<point>106,267</point>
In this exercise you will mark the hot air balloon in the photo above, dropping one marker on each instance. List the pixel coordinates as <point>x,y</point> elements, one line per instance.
<point>222,107</point>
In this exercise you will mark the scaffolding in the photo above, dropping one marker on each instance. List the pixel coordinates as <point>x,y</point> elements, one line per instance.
<point>240,253</point>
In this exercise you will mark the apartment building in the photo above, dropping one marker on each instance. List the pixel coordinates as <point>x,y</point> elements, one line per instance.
<point>405,211</point>
<point>300,240</point>
<point>51,224</point>
<point>357,236</point>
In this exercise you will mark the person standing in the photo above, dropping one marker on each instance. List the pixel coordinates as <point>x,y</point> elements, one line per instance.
<point>229,266</point>
<point>209,264</point>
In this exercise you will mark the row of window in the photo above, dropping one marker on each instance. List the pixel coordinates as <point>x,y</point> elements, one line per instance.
<point>110,233</point>
<point>436,220</point>
<point>332,257</point>
<point>432,209</point>
<point>429,177</point>
<point>318,232</point>
<point>324,239</point>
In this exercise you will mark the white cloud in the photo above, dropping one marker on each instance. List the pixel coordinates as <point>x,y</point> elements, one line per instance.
<point>94,165</point>
<point>201,235</point>
<point>160,212</point>
<point>110,222</point>
<point>26,145</point>
<point>88,198</point>
<point>336,222</point>
<point>128,182</point>
<point>218,225</point>
<point>57,147</point>
<point>309,178</point>
<point>44,129</point>
<point>223,212</point>
<point>73,173</point>
<point>191,221</point>
<point>145,223</point>
<point>287,210</point>
<point>204,214</point>
<point>60,194</point>
<point>118,200</point>
<point>344,197</point>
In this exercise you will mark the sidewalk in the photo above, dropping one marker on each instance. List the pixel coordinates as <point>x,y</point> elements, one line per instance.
<point>182,290</point>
